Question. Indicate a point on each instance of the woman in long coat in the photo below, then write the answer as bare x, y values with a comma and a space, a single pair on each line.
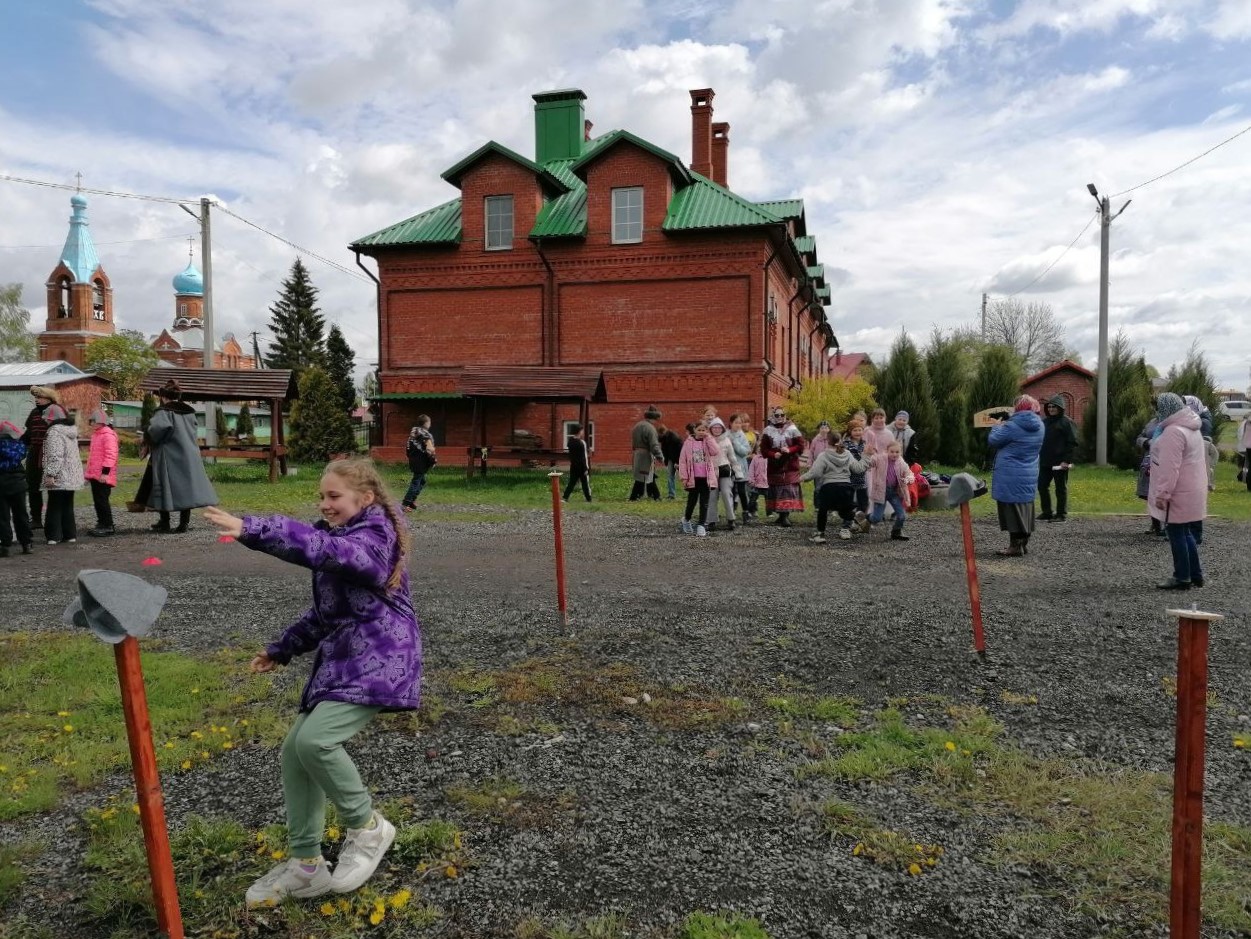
1179, 488
175, 480
1014, 485
645, 448
781, 443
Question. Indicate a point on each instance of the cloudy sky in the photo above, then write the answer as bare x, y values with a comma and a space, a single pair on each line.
942, 147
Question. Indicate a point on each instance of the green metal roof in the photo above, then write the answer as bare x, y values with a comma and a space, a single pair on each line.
549, 182
823, 294
564, 216
603, 144
704, 204
784, 208
440, 225
817, 272
806, 244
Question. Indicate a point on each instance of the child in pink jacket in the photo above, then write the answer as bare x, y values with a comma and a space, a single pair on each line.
102, 470
697, 468
896, 478
757, 478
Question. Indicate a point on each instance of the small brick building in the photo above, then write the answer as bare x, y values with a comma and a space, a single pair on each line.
604, 253
1068, 379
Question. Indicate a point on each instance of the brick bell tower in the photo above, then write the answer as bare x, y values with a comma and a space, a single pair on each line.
80, 296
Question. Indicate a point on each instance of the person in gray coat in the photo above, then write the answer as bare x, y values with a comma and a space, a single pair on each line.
645, 444
175, 479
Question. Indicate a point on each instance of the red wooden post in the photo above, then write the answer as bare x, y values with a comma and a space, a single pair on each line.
557, 526
1185, 896
970, 570
148, 788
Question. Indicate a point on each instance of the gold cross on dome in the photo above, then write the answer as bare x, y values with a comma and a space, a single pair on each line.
79, 177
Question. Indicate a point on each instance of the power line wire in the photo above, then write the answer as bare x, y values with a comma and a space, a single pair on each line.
1156, 179
286, 241
1057, 260
133, 241
95, 192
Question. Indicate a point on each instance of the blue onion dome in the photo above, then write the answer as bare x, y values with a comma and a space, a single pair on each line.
189, 282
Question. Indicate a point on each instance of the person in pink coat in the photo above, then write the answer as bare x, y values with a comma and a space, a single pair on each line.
1179, 488
697, 468
102, 470
877, 438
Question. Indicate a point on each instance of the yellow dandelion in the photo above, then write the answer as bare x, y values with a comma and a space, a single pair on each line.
243, 723
260, 836
967, 752
456, 840
400, 899
332, 833
196, 735
169, 745
931, 861
950, 745
68, 728
3, 768
195, 690
858, 849
135, 808
452, 871
345, 906
376, 917
204, 754
228, 745
914, 869
278, 855
186, 764
1239, 743
62, 713
327, 909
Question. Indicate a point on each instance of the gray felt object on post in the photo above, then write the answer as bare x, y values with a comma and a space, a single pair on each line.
115, 605
964, 488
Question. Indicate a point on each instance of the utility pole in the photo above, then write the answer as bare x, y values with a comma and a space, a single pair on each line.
1101, 389
985, 298
206, 359
256, 350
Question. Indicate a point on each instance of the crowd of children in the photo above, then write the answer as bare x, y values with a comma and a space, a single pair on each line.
857, 473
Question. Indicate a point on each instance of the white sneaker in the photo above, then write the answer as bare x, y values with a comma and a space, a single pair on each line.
687, 528
363, 848
701, 531
71, 541
818, 538
844, 534
51, 542
289, 880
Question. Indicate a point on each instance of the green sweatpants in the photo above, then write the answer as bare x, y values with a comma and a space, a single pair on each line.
315, 767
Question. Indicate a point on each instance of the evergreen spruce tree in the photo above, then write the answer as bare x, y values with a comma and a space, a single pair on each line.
998, 382
340, 364
297, 324
904, 385
150, 405
1194, 377
221, 424
320, 427
945, 363
244, 425
1129, 406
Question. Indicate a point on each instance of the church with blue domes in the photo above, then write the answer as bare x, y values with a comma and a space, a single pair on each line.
182, 344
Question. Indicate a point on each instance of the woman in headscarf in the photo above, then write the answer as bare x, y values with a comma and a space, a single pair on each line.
175, 479
1179, 488
781, 444
1014, 485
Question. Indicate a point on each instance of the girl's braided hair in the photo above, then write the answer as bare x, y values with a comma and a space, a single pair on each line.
362, 475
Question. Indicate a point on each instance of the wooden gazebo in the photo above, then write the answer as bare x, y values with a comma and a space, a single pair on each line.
274, 386
481, 384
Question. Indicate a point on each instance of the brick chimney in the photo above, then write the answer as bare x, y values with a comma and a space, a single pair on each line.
721, 154
701, 131
586, 130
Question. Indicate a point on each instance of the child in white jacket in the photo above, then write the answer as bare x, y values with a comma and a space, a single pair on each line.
62, 475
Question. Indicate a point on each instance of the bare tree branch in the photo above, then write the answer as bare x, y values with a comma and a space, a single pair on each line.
1031, 329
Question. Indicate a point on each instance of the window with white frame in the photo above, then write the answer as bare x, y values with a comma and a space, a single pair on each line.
627, 215
566, 431
499, 223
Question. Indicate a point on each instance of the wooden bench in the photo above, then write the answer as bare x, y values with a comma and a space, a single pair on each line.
483, 455
275, 456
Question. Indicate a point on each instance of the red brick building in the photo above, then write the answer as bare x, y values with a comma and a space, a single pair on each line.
80, 296
604, 253
1068, 379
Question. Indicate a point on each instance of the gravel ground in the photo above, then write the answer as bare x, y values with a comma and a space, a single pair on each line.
656, 823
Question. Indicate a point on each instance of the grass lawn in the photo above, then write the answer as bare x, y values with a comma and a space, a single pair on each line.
242, 488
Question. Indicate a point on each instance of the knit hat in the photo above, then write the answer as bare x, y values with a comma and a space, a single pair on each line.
9, 429
43, 391
1168, 404
651, 413
101, 416
903, 414
170, 390
1026, 403
54, 413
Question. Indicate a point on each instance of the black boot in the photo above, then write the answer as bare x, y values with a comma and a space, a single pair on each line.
4, 550
783, 520
184, 519
162, 526
636, 492
26, 548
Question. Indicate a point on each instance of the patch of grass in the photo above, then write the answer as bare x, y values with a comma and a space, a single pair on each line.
215, 860
1012, 697
719, 926
508, 725
883, 846
692, 711
494, 796
841, 711
611, 926
11, 873
61, 723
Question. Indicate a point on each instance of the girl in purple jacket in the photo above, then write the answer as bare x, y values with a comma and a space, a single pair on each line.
368, 658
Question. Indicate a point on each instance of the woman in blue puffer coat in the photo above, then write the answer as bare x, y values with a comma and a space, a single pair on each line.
1014, 485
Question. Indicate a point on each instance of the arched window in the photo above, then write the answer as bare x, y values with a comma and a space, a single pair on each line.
97, 300
63, 310
182, 309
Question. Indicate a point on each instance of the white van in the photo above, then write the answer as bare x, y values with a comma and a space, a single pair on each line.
1236, 409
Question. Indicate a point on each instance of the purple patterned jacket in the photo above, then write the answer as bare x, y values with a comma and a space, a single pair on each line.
367, 637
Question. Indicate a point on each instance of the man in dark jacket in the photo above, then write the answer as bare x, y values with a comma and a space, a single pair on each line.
1058, 451
420, 451
36, 432
671, 448
579, 462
